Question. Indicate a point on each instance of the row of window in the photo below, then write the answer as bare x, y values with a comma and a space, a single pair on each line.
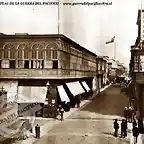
26, 64
75, 66
26, 54
72, 50
101, 67
139, 67
39, 64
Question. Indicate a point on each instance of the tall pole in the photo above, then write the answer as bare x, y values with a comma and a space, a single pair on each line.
58, 15
114, 50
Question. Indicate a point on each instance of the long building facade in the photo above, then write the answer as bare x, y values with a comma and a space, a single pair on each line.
37, 68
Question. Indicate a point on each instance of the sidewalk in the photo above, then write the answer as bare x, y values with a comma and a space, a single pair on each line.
47, 124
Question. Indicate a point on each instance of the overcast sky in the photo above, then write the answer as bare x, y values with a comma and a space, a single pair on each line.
90, 26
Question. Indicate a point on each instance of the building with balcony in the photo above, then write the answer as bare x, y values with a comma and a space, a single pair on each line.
32, 67
136, 66
101, 70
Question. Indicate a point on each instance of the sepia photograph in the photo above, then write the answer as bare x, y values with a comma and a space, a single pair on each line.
71, 72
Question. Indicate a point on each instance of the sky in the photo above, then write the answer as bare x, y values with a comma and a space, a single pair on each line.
90, 26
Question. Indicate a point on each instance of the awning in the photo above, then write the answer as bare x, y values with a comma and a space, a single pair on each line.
63, 95
86, 86
31, 94
75, 88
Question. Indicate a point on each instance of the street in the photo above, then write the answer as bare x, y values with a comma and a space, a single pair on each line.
93, 123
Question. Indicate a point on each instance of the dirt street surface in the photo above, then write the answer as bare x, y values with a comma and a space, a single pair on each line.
92, 124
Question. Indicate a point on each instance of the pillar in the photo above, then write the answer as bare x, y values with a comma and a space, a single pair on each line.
141, 101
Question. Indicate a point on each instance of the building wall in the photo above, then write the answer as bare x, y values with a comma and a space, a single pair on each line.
40, 54
142, 26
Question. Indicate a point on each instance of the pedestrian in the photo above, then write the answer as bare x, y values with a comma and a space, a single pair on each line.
134, 123
123, 128
61, 112
78, 100
135, 134
116, 127
130, 114
140, 123
126, 113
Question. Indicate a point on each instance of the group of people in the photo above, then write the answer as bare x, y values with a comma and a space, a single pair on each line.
137, 128
129, 113
123, 128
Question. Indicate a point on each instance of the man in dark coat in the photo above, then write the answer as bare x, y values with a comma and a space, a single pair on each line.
134, 123
78, 100
116, 127
140, 123
125, 130
135, 134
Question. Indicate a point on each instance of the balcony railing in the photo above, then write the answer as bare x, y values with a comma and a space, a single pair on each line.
43, 73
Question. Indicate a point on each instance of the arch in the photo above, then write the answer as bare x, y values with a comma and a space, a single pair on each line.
23, 51
51, 50
37, 51
9, 51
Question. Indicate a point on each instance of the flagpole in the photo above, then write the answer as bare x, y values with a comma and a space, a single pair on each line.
114, 50
141, 19
58, 14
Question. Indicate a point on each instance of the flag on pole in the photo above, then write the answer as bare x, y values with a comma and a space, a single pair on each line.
111, 41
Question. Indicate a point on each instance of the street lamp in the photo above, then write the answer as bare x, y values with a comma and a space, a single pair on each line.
113, 41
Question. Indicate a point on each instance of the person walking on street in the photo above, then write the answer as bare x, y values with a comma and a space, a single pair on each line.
140, 123
116, 127
130, 114
134, 123
135, 134
123, 128
126, 113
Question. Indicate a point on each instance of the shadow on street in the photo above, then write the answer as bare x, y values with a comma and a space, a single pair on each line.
110, 102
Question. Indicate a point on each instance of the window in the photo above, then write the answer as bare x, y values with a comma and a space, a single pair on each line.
48, 53
26, 64
42, 64
55, 64
136, 58
26, 52
20, 64
12, 53
37, 51
34, 53
136, 67
12, 64
20, 51
54, 54
6, 52
141, 65
40, 54
32, 64
99, 66
38, 64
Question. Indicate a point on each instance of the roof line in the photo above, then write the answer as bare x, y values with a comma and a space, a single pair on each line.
26, 35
